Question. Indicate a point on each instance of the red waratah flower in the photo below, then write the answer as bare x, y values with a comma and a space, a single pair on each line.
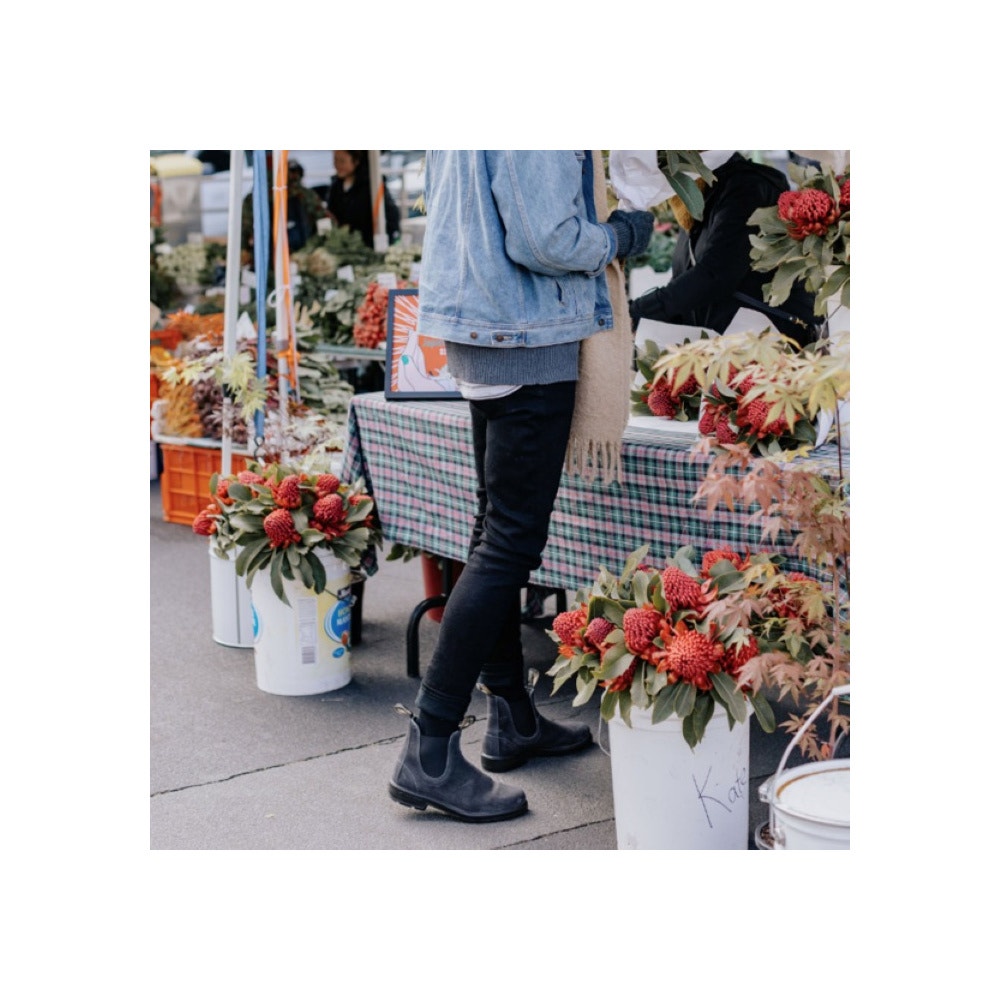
680, 590
690, 385
279, 526
736, 655
807, 212
692, 656
329, 510
707, 421
660, 401
222, 492
753, 415
248, 478
641, 626
845, 193
569, 626
204, 523
287, 493
358, 498
326, 484
622, 682
709, 559
724, 432
597, 631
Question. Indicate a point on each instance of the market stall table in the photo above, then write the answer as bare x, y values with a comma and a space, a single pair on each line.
417, 459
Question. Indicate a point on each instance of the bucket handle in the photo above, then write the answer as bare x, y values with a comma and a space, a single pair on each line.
837, 692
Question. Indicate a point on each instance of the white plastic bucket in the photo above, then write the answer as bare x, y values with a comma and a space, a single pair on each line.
668, 796
811, 807
232, 616
303, 647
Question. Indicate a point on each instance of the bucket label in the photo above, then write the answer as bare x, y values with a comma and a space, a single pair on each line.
256, 622
337, 621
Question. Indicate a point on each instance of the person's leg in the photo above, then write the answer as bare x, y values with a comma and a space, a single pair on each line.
521, 444
520, 447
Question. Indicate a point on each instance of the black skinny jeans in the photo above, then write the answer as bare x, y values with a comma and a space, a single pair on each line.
520, 447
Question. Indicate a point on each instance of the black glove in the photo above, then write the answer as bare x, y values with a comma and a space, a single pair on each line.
647, 306
633, 230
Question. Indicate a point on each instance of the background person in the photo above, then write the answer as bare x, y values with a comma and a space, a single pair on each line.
349, 197
711, 274
305, 209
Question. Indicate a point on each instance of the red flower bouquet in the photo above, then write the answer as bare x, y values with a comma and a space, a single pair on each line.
278, 517
660, 394
806, 238
658, 638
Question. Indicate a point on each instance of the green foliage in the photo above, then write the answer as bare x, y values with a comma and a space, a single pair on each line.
678, 165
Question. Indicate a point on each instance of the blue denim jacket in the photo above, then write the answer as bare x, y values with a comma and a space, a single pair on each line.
513, 255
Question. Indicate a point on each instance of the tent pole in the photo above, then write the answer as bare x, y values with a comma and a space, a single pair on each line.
232, 300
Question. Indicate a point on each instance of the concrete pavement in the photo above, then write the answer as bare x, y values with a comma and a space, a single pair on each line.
234, 768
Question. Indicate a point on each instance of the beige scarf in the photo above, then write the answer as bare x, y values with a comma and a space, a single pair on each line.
602, 392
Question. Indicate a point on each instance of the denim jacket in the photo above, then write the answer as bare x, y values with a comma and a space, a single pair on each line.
513, 255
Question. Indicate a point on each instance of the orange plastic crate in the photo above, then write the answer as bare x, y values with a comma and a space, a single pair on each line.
184, 482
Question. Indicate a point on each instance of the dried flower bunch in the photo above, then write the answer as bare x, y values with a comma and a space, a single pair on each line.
652, 638
806, 237
278, 517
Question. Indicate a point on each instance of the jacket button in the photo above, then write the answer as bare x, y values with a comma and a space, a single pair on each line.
600, 322
473, 335
499, 338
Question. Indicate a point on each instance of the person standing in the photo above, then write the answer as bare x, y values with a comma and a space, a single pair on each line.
349, 197
305, 209
513, 279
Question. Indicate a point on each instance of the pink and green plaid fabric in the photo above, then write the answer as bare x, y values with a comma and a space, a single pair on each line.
416, 456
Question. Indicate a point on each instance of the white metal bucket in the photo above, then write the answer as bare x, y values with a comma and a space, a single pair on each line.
810, 805
305, 647
232, 616
668, 796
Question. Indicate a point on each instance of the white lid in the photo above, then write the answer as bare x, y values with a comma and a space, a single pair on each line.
824, 794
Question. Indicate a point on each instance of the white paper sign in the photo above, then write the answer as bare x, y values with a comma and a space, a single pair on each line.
387, 279
324, 226
345, 273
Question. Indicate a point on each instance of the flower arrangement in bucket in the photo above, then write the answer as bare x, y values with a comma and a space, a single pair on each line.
654, 638
279, 520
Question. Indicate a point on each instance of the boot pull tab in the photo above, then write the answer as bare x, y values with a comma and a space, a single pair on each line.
402, 710
533, 676
466, 722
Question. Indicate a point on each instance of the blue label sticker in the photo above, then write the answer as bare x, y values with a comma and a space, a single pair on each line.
256, 622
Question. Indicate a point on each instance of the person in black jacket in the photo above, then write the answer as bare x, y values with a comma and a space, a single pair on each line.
350, 199
711, 275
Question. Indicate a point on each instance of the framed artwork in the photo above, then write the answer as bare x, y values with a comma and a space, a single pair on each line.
416, 365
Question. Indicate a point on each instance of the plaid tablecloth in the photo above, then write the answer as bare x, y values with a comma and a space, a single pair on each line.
417, 458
